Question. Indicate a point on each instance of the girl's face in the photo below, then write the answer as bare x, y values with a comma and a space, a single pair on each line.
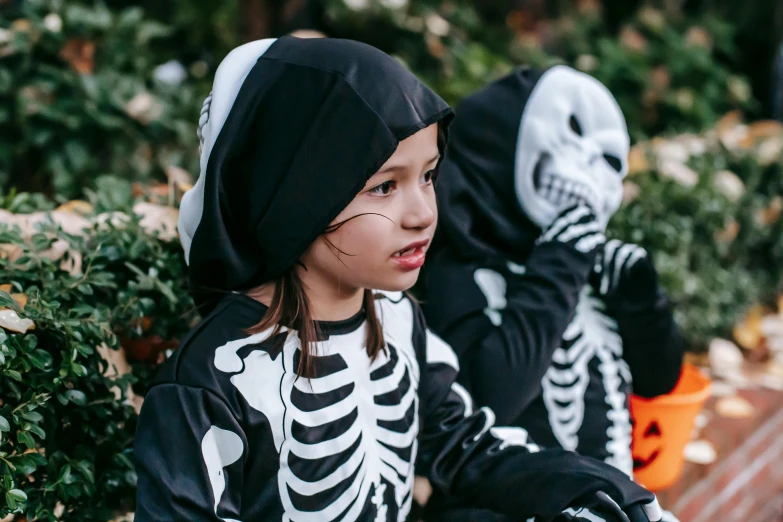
388, 226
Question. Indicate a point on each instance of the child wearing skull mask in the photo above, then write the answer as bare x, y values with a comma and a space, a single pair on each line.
552, 324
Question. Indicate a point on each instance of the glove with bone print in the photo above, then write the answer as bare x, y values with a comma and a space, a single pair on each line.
578, 227
625, 278
624, 275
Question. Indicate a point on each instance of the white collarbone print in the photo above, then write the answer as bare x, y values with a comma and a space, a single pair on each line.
347, 437
591, 337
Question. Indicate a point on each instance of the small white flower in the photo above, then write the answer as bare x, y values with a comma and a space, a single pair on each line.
437, 25
671, 151
5, 36
678, 172
586, 63
728, 184
53, 23
144, 107
770, 151
394, 4
170, 73
356, 5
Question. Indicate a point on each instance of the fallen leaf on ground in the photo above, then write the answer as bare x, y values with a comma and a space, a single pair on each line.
725, 357
722, 389
734, 407
76, 206
700, 452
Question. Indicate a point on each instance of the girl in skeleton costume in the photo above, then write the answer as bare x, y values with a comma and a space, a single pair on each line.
551, 324
312, 386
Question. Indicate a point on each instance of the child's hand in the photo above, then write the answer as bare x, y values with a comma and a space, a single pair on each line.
623, 273
576, 226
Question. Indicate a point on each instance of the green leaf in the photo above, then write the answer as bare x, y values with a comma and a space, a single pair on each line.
4, 426
6, 301
40, 359
13, 374
24, 464
85, 470
65, 474
18, 495
27, 439
32, 416
38, 431
77, 397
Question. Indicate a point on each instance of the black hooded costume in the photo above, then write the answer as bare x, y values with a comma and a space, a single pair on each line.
550, 336
290, 134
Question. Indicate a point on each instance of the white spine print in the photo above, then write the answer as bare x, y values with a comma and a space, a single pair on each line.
591, 334
614, 370
220, 448
372, 459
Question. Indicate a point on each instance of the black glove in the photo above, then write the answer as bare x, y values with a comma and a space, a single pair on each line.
576, 226
603, 508
624, 275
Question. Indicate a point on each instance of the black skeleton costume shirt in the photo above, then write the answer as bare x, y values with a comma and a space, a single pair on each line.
228, 431
552, 327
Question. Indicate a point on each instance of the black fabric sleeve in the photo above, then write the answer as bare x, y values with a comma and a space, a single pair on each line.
465, 456
189, 453
503, 364
652, 344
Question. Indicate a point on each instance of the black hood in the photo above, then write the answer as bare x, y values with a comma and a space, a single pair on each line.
291, 133
480, 215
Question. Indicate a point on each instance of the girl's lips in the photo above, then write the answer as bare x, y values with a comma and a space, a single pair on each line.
411, 261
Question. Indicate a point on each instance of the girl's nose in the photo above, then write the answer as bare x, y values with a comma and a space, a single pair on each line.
421, 210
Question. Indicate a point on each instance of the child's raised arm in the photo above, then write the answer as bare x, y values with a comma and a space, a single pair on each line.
190, 452
532, 312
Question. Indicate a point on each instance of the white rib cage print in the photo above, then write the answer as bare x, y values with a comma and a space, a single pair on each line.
346, 438
591, 334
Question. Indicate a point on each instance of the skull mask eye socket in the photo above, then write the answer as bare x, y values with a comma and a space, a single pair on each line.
614, 162
575, 126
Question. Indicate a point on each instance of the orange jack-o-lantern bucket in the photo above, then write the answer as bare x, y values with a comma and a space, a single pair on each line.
663, 426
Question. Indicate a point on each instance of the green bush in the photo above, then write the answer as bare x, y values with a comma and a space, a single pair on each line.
667, 74
65, 438
78, 98
709, 211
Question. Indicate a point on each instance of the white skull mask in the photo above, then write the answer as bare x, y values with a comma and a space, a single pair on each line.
572, 147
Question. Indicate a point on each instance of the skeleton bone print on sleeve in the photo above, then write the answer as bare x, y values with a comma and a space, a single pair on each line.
346, 438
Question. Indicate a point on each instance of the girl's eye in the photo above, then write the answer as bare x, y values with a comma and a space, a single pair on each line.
429, 177
384, 189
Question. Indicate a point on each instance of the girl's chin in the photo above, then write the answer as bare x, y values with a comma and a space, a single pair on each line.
398, 282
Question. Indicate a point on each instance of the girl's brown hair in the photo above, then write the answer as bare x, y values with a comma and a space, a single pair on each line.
290, 307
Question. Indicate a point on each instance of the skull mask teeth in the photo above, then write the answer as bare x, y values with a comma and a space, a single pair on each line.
571, 149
